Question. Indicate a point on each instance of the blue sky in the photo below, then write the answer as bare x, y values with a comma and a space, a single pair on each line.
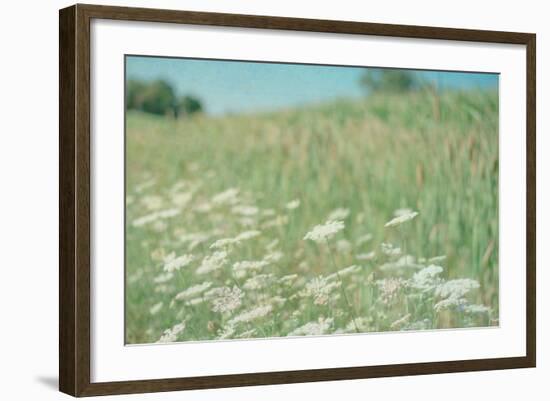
240, 86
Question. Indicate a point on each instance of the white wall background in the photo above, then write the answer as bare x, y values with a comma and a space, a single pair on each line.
28, 198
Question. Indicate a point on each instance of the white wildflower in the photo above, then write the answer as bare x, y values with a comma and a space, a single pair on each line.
366, 256
389, 289
344, 272
226, 332
277, 300
178, 185
155, 308
349, 270
196, 301
338, 214
390, 249
273, 257
171, 335
203, 207
145, 184
303, 266
363, 239
181, 199
271, 246
163, 278
404, 262
427, 278
152, 202
167, 213
323, 232
258, 282
361, 323
278, 221
246, 235
321, 326
194, 239
343, 246
268, 212
252, 314
320, 289
425, 324
163, 288
141, 221
476, 309
401, 219
402, 212
178, 263
227, 299
193, 291
223, 243
242, 268
229, 196
294, 204
158, 254
401, 321
247, 221
247, 334
288, 279
212, 262
451, 302
159, 226
134, 278
456, 288
437, 259
245, 210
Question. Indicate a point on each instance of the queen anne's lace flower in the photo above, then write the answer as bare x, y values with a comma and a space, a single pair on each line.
193, 291
156, 308
323, 232
252, 314
427, 278
171, 335
258, 282
366, 256
229, 196
245, 210
213, 262
456, 288
178, 263
402, 218
242, 268
226, 299
321, 326
320, 289
293, 204
339, 214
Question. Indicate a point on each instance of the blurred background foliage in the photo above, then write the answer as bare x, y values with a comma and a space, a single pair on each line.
158, 97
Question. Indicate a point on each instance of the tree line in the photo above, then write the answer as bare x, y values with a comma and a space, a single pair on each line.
158, 97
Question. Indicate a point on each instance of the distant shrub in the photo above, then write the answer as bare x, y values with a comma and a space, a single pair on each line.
388, 80
188, 105
158, 97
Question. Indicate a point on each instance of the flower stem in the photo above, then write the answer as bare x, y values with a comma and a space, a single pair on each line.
348, 304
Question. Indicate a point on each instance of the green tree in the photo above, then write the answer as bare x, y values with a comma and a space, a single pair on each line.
158, 98
389, 80
188, 105
134, 91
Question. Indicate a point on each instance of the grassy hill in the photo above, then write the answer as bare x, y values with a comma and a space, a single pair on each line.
434, 154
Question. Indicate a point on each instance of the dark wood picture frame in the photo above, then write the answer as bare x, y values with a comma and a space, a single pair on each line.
74, 199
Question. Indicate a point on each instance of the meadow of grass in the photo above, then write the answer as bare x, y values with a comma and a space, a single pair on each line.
218, 211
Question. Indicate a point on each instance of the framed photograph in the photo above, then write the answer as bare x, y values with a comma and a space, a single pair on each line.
250, 200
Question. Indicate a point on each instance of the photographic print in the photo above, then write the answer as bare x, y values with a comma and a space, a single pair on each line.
272, 199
